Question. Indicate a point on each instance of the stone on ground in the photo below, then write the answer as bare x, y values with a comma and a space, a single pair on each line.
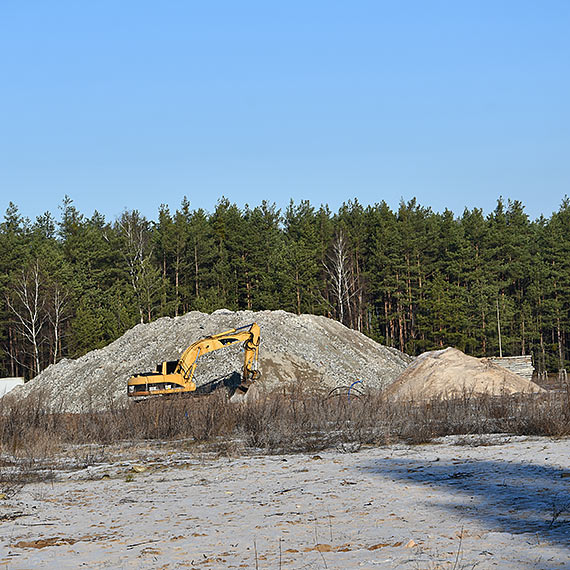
310, 351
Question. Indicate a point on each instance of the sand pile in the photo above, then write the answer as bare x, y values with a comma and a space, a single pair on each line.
450, 372
307, 349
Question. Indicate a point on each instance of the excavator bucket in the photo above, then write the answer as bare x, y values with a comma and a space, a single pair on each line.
243, 390
244, 393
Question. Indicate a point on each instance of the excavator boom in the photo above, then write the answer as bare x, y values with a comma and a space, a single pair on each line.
173, 377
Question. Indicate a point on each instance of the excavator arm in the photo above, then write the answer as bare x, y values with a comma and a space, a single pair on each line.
250, 361
175, 377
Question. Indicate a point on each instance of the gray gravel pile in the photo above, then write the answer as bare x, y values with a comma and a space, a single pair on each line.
312, 350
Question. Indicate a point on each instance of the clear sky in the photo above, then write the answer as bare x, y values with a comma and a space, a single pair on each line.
130, 104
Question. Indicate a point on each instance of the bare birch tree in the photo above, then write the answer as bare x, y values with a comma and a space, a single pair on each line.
57, 315
339, 270
27, 302
137, 253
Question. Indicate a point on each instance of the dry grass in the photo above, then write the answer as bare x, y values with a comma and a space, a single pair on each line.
30, 436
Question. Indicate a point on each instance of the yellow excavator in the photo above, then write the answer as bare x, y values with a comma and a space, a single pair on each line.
175, 377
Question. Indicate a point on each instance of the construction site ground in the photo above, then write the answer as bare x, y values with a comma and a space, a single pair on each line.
461, 502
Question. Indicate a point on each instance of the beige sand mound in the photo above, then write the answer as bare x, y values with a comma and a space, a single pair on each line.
450, 372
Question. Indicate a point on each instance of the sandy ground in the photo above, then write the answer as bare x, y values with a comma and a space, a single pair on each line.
446, 505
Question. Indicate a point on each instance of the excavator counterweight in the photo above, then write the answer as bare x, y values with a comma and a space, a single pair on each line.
176, 376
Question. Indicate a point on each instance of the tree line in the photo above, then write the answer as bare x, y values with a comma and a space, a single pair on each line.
410, 278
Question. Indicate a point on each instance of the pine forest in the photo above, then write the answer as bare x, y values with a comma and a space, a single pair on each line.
410, 278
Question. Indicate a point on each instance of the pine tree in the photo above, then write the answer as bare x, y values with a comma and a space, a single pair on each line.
302, 269
262, 256
382, 259
201, 285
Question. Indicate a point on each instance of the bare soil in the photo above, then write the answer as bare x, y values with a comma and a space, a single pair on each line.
451, 373
464, 502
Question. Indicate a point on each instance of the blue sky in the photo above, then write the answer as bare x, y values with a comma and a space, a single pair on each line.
130, 104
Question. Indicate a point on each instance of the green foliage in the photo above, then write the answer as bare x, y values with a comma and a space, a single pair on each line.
410, 278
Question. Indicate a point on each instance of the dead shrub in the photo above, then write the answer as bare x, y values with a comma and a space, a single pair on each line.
11, 482
298, 421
